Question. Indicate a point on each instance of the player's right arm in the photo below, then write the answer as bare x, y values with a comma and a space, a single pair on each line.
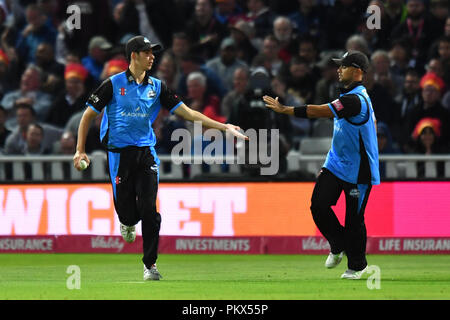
343, 107
95, 104
83, 130
313, 111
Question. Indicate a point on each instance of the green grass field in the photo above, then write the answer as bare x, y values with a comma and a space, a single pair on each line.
217, 277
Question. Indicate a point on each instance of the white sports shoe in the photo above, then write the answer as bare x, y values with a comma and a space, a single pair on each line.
333, 260
128, 233
352, 274
152, 273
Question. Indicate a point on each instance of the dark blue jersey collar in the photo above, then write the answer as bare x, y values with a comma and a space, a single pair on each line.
147, 79
351, 87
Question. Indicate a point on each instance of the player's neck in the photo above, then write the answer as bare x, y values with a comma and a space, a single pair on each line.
137, 73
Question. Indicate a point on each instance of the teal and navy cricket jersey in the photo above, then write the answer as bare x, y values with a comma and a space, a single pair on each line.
131, 109
353, 156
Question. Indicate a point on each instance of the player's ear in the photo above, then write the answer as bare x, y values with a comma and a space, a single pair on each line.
133, 56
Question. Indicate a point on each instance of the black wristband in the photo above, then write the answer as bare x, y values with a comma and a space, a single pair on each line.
300, 112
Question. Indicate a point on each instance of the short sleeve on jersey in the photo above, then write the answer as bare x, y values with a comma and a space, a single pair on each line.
169, 100
101, 96
346, 106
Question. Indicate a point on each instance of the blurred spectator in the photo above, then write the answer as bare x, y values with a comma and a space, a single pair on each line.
226, 63
12, 15
34, 141
227, 11
268, 58
72, 99
435, 66
283, 31
299, 79
432, 88
45, 59
327, 88
410, 98
36, 32
447, 27
94, 62
154, 19
4, 132
50, 9
383, 75
399, 56
66, 145
418, 29
191, 63
260, 16
244, 37
8, 74
307, 50
439, 12
167, 71
377, 38
206, 31
427, 140
251, 113
95, 19
30, 87
240, 85
16, 141
113, 67
382, 101
385, 144
307, 19
444, 56
300, 126
181, 46
357, 42
341, 22
396, 11
200, 100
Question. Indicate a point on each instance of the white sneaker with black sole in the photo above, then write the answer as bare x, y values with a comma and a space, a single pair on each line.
333, 260
128, 233
152, 273
353, 274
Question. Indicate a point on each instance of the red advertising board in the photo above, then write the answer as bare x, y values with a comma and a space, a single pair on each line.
216, 245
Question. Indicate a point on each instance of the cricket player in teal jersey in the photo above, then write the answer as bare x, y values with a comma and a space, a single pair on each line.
131, 101
351, 164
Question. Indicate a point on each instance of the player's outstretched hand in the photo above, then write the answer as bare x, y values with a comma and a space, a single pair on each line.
274, 104
235, 131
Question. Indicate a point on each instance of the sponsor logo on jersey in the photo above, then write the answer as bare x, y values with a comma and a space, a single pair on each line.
337, 105
354, 193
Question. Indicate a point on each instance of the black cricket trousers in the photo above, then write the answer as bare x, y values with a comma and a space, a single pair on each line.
134, 177
353, 237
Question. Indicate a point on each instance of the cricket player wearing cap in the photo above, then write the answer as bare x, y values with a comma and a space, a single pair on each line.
351, 164
131, 101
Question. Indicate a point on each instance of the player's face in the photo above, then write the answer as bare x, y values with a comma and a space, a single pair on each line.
346, 74
145, 59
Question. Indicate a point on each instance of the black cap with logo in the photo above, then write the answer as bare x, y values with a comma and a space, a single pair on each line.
355, 59
138, 44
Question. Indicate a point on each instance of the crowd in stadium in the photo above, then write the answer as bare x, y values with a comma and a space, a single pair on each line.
221, 56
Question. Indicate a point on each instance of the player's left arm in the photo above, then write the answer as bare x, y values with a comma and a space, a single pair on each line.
192, 115
172, 102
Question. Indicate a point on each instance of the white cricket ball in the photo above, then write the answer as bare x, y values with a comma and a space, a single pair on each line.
83, 164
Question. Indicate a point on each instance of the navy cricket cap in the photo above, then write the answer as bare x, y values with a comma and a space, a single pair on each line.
355, 59
138, 44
